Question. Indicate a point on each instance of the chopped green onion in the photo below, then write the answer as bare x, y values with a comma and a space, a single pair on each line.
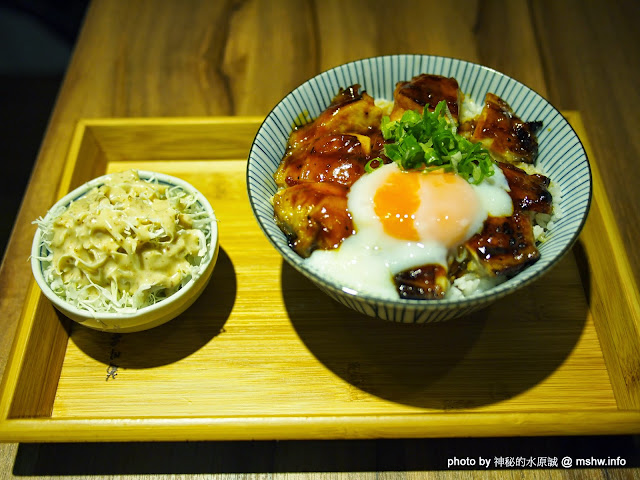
373, 164
430, 141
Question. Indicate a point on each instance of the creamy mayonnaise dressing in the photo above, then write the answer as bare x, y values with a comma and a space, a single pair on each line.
129, 241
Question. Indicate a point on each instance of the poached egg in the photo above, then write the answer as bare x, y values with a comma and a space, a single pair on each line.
406, 219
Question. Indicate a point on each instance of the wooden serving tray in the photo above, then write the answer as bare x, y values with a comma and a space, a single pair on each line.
263, 354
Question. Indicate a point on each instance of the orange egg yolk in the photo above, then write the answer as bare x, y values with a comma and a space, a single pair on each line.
436, 206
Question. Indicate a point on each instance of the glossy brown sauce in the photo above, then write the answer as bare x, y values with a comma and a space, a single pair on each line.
427, 91
428, 282
504, 133
506, 245
325, 157
528, 192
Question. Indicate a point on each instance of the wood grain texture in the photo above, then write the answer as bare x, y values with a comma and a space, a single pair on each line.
266, 350
612, 291
218, 58
587, 49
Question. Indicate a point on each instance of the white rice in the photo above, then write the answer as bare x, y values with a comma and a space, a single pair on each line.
385, 105
468, 109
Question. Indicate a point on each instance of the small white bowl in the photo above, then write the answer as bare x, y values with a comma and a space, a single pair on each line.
561, 156
146, 317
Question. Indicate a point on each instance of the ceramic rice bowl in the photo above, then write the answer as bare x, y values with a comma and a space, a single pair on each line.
561, 156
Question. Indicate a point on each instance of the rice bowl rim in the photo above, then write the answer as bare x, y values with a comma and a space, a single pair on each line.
82, 190
525, 277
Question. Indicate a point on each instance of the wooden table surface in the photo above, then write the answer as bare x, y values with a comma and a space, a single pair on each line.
208, 58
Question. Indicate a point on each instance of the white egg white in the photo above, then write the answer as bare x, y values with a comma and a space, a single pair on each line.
367, 261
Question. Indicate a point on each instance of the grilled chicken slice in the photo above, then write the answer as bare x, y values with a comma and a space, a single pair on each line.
505, 246
503, 133
428, 282
323, 158
313, 216
349, 112
338, 158
426, 90
528, 192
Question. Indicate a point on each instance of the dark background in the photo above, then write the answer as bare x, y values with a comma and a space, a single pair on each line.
36, 43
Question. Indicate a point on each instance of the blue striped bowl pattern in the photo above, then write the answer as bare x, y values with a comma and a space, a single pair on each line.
561, 156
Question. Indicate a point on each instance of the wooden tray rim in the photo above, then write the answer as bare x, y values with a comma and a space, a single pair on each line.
415, 425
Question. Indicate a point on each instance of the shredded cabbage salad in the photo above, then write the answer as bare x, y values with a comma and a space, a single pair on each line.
124, 245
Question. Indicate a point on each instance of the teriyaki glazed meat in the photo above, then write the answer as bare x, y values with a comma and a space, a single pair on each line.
425, 196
